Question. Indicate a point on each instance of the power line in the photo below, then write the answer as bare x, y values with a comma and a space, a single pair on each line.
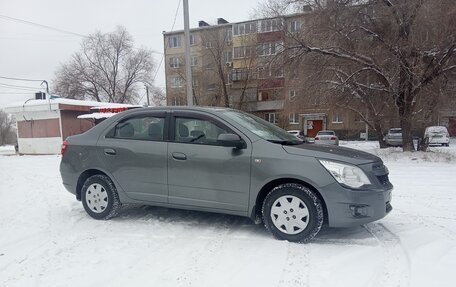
15, 93
41, 25
20, 79
163, 55
23, 88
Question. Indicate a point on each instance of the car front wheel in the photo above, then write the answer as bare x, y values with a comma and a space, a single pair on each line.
292, 212
99, 197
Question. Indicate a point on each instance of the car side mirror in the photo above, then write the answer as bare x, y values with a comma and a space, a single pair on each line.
231, 140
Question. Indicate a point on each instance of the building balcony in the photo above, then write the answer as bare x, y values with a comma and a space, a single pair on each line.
264, 106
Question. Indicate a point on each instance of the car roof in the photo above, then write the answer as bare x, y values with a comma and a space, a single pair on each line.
193, 108
437, 128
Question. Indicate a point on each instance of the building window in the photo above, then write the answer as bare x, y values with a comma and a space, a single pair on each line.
192, 40
177, 101
209, 45
194, 61
228, 36
267, 49
194, 81
245, 28
293, 118
228, 56
243, 52
278, 72
295, 26
175, 62
268, 72
337, 118
263, 96
174, 42
270, 25
176, 82
210, 66
292, 95
272, 118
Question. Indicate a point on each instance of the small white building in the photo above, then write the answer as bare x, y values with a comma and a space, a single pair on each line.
43, 124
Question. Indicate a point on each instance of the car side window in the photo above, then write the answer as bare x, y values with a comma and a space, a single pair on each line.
139, 128
198, 131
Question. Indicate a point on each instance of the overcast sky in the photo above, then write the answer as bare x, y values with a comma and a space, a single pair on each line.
28, 51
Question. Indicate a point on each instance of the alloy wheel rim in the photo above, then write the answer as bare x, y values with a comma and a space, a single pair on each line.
290, 214
96, 198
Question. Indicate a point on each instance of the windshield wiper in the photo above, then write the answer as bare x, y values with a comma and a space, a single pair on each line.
285, 142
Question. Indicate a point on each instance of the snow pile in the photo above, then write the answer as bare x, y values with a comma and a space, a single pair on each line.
434, 153
7, 150
47, 239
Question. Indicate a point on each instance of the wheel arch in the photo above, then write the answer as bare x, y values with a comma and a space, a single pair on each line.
84, 176
276, 182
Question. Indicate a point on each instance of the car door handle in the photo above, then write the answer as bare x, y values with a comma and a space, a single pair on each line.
179, 156
109, 151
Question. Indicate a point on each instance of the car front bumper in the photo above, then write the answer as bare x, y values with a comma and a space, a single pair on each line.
347, 208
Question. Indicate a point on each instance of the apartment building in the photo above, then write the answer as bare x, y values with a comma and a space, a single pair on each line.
239, 65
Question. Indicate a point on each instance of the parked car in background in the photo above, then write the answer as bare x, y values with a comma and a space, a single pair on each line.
394, 137
326, 137
437, 135
225, 161
297, 133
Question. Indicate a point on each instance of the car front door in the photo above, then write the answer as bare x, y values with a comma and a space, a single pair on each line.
201, 171
134, 151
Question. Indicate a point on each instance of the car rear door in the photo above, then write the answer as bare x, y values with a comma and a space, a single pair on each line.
134, 151
202, 172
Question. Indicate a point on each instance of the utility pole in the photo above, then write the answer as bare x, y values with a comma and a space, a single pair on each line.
188, 68
147, 93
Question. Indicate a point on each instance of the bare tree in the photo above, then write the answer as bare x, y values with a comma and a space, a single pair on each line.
218, 47
107, 68
381, 54
158, 96
7, 135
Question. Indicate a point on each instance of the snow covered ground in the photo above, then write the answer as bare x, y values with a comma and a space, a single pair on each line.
46, 238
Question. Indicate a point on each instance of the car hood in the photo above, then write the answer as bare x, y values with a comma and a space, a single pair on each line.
336, 153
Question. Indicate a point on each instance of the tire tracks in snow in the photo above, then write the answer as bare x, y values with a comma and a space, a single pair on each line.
423, 221
194, 273
396, 266
297, 268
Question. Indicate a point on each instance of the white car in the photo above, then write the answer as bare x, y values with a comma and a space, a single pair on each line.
437, 135
326, 137
297, 133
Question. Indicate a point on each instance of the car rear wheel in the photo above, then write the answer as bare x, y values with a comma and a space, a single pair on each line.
99, 197
292, 212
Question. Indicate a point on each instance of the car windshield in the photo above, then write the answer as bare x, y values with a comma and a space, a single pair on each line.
395, 131
262, 128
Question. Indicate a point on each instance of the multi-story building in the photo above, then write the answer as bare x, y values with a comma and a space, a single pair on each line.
240, 65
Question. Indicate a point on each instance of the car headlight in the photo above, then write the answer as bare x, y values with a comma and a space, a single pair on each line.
346, 174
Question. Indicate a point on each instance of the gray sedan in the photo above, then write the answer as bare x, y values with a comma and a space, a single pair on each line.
225, 161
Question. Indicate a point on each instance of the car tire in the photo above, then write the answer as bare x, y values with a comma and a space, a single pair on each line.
99, 197
292, 212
